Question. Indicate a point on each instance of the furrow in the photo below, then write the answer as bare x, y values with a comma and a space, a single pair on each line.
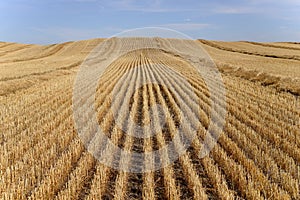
171, 190
256, 173
211, 44
122, 188
188, 169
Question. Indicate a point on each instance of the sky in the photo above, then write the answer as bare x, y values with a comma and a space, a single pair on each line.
55, 21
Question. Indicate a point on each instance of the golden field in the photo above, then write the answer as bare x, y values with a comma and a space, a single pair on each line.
257, 155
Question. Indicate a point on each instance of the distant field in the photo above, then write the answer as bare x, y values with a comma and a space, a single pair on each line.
275, 64
257, 155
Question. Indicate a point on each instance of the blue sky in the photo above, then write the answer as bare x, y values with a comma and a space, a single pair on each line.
53, 21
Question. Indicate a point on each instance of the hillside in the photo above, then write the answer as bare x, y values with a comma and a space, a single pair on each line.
44, 156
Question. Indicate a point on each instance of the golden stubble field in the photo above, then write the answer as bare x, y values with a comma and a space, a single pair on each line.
257, 155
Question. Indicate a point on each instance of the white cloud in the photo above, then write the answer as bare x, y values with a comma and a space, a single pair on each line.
135, 5
186, 26
63, 34
235, 10
144, 6
66, 33
278, 2
85, 1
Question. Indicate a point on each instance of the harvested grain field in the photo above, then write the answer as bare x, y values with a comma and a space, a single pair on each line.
257, 154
